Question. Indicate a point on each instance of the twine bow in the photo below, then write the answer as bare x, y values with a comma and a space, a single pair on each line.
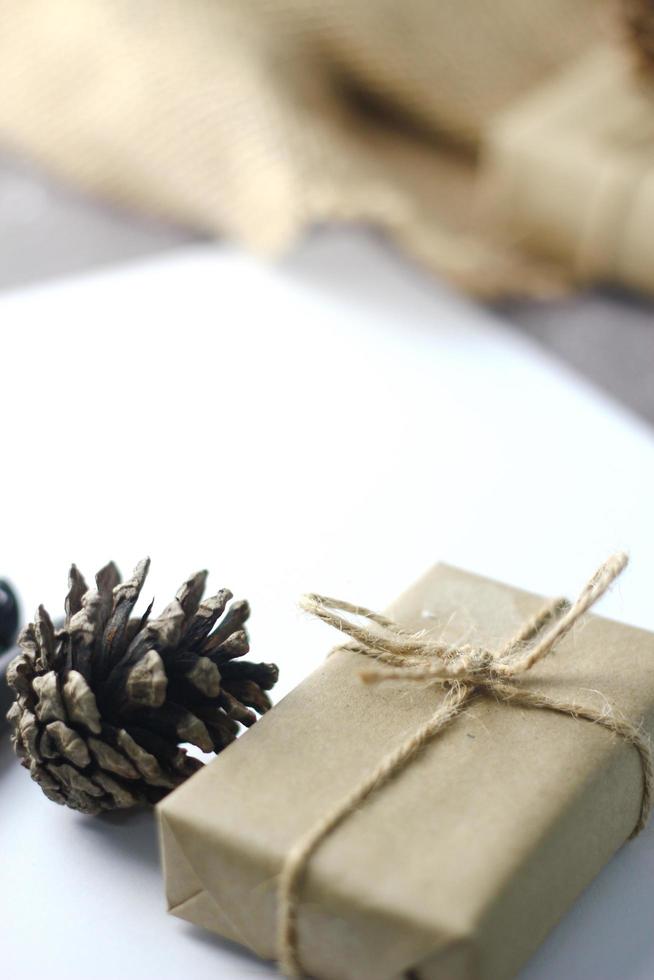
466, 672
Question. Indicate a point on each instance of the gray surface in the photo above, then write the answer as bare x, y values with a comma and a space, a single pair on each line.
47, 230
607, 336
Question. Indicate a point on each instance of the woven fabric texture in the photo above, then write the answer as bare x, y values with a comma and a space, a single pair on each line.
257, 119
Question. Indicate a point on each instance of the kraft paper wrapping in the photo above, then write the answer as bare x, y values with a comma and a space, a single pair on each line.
457, 868
572, 171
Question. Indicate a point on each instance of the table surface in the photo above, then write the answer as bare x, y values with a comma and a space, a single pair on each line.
336, 424
48, 229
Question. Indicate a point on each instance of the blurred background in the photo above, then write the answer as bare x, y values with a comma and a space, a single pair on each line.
503, 146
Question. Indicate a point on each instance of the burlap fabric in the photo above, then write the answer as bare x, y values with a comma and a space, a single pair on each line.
256, 119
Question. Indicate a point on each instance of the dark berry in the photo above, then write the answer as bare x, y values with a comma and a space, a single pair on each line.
8, 616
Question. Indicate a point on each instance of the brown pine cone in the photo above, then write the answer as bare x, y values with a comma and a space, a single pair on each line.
103, 704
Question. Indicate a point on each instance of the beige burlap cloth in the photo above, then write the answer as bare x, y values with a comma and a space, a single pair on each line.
257, 119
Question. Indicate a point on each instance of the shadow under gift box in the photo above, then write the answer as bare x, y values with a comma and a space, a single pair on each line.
462, 863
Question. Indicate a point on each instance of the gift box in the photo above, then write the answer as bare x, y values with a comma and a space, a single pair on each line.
570, 172
459, 865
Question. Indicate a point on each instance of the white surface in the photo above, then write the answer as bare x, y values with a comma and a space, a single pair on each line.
338, 425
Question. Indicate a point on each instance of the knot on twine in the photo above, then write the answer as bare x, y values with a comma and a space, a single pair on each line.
465, 671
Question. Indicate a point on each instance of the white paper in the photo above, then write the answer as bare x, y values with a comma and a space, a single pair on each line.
336, 424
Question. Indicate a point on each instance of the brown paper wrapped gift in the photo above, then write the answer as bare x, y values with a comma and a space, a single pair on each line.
460, 865
571, 170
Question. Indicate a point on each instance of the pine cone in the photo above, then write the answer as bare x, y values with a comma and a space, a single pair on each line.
103, 704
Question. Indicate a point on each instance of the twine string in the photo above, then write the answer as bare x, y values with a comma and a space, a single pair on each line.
465, 671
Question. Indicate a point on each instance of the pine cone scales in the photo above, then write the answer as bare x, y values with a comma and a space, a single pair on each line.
103, 704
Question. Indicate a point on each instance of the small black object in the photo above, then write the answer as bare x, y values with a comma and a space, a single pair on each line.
9, 616
9, 621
